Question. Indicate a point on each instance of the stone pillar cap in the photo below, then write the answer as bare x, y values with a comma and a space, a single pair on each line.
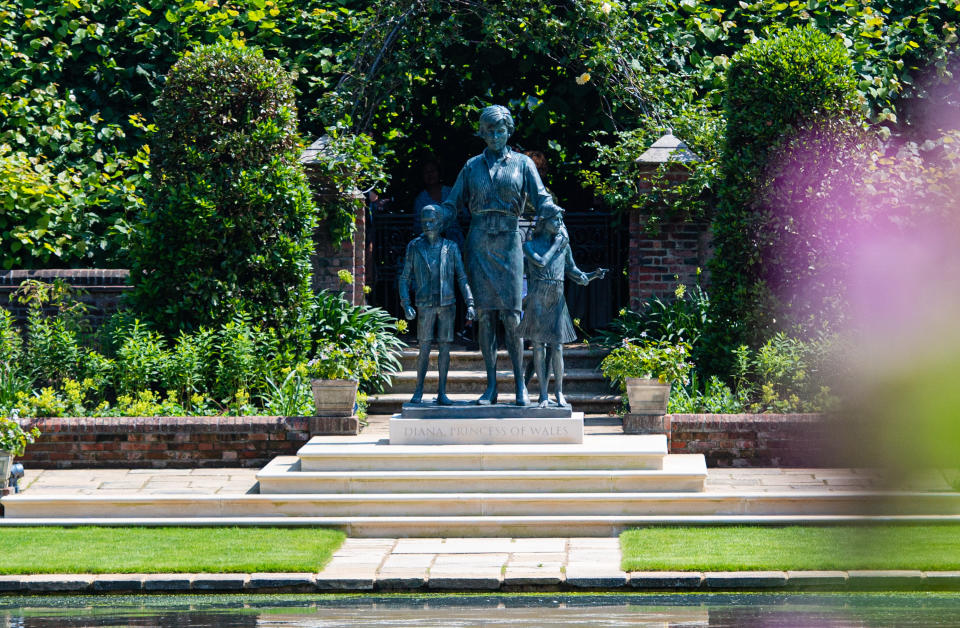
668, 149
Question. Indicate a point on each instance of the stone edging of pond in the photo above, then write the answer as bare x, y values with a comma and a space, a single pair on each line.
340, 582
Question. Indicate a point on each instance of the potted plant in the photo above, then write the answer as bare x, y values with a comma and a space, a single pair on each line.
13, 440
335, 374
646, 371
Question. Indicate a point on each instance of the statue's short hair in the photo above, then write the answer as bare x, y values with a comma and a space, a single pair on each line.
429, 209
493, 114
548, 212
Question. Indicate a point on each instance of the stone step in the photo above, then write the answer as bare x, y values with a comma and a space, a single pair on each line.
362, 453
391, 403
472, 514
574, 381
679, 473
575, 356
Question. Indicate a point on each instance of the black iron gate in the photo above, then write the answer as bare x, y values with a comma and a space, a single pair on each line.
598, 239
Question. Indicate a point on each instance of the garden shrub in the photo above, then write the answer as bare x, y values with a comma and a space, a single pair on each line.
784, 374
228, 226
776, 88
12, 378
713, 397
130, 369
337, 324
680, 319
787, 374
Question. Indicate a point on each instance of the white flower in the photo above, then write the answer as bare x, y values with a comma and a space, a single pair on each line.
606, 8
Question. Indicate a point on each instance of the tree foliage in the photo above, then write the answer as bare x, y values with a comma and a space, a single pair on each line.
228, 226
776, 88
589, 81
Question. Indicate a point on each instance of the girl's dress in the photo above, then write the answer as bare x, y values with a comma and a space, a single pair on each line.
545, 315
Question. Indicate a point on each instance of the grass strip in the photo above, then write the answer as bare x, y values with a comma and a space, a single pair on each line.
165, 550
721, 548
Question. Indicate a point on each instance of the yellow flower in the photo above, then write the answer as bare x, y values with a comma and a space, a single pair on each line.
583, 78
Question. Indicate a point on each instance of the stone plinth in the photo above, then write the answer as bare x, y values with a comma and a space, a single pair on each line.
470, 424
474, 411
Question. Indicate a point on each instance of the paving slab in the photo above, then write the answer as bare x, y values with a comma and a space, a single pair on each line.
359, 578
538, 557
419, 546
816, 578
744, 579
167, 582
220, 582
281, 581
595, 576
476, 578
11, 583
942, 579
661, 580
526, 575
466, 562
45, 583
887, 579
407, 561
402, 579
539, 546
118, 582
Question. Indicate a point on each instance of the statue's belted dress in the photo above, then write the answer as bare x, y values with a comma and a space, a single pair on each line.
495, 191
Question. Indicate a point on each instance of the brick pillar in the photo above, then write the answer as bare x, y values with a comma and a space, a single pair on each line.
329, 259
676, 248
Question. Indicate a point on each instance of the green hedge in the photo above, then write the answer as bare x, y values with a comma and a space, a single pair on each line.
228, 226
776, 88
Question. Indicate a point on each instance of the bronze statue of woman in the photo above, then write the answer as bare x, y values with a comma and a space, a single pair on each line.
495, 186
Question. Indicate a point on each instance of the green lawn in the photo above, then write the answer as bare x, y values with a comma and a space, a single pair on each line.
165, 550
926, 547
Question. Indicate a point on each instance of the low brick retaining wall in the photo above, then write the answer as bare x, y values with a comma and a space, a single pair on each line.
745, 440
173, 442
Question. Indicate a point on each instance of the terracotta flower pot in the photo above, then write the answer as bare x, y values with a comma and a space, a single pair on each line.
334, 396
647, 395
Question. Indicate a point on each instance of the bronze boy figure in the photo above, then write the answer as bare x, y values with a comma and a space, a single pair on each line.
546, 321
433, 264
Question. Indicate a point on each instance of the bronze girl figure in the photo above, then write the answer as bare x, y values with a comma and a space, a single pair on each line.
546, 322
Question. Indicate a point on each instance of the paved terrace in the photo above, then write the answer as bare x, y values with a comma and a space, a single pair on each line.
240, 480
465, 563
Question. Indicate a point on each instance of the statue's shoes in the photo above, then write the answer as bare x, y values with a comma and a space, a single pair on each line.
488, 399
443, 400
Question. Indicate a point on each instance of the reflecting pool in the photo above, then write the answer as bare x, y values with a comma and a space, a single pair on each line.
661, 610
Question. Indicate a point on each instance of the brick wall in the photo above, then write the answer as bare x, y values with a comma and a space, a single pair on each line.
173, 442
746, 440
101, 288
328, 260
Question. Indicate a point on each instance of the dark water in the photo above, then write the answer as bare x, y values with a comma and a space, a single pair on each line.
661, 610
